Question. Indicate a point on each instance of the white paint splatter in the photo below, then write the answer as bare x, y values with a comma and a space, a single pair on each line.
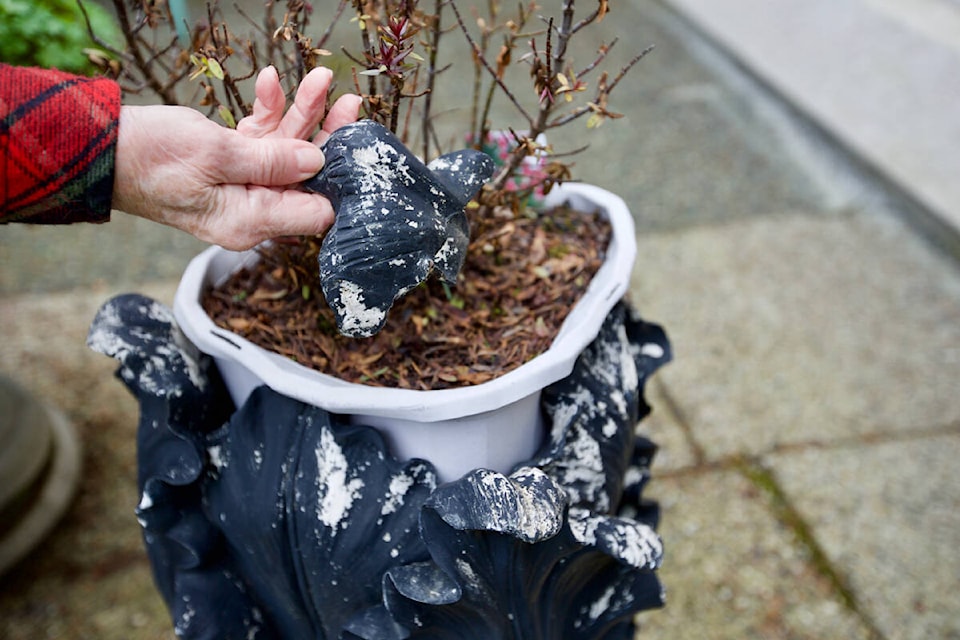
652, 350
609, 429
633, 476
602, 603
470, 577
217, 458
358, 319
335, 494
399, 485
183, 623
542, 518
634, 543
449, 248
378, 165
104, 339
583, 477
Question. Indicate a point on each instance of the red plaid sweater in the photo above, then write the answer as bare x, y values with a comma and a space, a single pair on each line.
58, 135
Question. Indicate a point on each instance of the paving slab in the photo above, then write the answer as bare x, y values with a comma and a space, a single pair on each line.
90, 578
675, 451
888, 517
880, 76
127, 251
731, 571
804, 329
687, 138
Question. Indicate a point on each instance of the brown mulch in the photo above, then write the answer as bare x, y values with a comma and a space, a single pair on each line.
521, 277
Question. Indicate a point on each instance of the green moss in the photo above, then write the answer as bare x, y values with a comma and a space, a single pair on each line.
765, 480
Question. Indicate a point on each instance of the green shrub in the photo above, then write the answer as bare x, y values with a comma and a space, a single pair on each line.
51, 33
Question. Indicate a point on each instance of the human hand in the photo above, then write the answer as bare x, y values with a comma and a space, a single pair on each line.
231, 188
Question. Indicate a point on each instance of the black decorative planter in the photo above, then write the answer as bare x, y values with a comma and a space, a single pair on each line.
282, 520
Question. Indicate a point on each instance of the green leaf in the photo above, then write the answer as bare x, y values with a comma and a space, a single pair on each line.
227, 116
214, 69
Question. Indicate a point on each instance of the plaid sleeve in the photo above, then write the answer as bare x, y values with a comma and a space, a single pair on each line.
58, 136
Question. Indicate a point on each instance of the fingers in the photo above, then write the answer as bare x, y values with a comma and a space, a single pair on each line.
271, 162
243, 169
297, 213
305, 114
344, 111
255, 214
303, 117
267, 108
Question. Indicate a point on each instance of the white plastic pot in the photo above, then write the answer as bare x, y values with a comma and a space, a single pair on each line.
492, 425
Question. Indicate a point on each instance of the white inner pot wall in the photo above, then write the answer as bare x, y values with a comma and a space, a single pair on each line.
492, 425
496, 440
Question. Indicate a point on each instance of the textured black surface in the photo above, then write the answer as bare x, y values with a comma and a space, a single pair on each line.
280, 520
397, 220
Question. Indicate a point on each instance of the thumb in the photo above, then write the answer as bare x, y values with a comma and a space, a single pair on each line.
270, 162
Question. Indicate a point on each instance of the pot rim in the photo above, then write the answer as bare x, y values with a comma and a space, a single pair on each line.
337, 396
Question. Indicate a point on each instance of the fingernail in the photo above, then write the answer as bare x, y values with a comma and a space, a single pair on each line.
309, 159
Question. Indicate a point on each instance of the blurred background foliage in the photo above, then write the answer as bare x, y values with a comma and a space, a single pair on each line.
52, 33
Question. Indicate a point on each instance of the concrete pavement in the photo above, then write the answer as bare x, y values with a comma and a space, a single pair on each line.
810, 424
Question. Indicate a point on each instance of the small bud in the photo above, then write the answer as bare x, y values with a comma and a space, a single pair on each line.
227, 116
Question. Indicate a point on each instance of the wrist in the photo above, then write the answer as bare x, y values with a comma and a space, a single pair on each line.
123, 182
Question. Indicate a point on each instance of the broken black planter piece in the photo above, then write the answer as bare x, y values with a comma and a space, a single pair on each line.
282, 520
397, 220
